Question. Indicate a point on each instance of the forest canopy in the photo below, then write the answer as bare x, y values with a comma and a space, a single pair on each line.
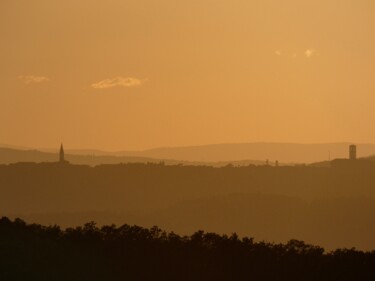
36, 252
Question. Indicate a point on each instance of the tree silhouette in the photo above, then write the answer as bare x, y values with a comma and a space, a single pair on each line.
35, 252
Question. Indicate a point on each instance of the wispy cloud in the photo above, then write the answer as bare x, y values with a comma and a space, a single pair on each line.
30, 79
309, 53
278, 52
127, 82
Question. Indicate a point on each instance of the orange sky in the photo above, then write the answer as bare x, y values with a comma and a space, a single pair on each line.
123, 75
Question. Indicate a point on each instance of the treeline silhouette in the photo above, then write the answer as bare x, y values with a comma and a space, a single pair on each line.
36, 252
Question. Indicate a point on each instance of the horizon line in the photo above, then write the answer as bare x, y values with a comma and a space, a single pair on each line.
21, 147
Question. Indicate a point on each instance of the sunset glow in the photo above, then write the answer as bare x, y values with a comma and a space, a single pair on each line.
125, 75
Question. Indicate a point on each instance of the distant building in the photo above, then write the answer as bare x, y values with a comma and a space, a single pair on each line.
350, 165
62, 155
352, 152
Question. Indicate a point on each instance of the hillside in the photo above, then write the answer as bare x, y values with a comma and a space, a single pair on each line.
88, 157
283, 152
241, 154
330, 207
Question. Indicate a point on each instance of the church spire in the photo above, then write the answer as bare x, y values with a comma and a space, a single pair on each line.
62, 156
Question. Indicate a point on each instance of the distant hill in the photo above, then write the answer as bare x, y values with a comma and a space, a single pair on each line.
8, 155
283, 152
88, 157
327, 164
212, 155
371, 158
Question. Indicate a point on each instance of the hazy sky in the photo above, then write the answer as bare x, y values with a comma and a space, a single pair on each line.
121, 74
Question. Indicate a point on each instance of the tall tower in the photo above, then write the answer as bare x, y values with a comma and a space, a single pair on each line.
353, 152
62, 158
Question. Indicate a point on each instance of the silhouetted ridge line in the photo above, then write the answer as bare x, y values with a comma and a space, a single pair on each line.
36, 252
11, 156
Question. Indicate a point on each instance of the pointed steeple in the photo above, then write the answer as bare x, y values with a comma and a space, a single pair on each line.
62, 156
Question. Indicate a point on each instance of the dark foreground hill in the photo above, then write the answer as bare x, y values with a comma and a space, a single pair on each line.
332, 207
35, 252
